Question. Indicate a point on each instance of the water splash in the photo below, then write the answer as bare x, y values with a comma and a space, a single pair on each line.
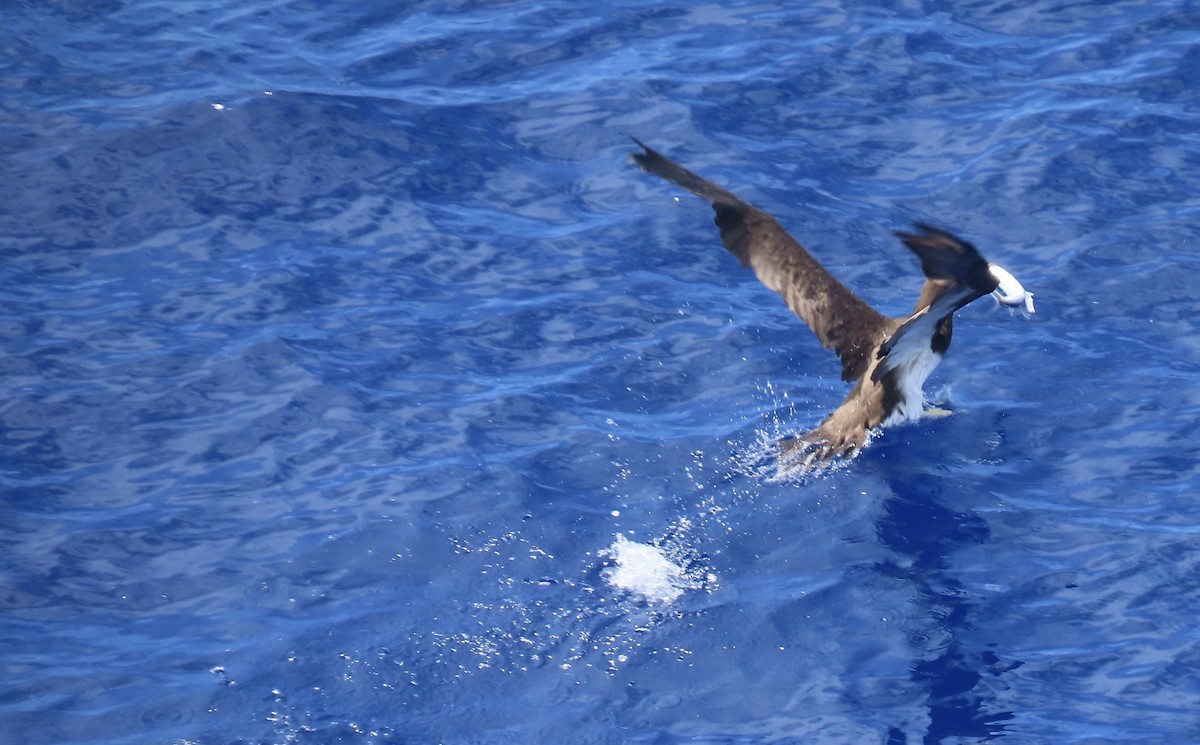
647, 571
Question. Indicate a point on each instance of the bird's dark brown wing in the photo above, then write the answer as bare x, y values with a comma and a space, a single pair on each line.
955, 275
949, 264
841, 320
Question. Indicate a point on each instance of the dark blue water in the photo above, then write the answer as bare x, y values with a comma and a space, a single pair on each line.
357, 389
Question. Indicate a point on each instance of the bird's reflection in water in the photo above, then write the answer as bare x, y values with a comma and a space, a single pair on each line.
953, 665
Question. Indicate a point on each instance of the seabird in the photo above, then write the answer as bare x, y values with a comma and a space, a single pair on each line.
887, 359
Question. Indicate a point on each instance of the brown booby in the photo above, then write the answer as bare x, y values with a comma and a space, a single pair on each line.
887, 359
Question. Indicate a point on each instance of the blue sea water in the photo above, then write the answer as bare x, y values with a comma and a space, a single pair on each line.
357, 388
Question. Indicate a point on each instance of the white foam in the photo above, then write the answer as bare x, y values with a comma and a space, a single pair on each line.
645, 571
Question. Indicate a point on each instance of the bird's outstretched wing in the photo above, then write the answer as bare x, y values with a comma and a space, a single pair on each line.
841, 320
955, 274
948, 260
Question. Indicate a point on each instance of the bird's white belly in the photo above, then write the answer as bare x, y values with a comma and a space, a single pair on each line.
911, 374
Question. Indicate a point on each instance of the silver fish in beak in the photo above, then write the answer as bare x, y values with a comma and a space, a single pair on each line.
1009, 291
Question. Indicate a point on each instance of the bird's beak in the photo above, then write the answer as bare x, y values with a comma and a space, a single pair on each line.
1009, 291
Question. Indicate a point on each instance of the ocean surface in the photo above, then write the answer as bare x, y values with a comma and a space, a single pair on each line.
358, 389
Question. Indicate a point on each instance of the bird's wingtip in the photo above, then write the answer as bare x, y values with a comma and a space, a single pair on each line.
923, 229
647, 153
